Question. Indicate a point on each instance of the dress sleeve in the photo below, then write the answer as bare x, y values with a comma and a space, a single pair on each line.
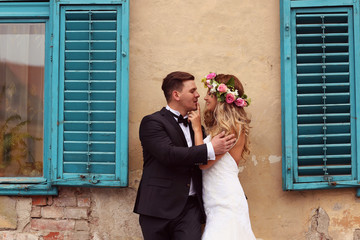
207, 139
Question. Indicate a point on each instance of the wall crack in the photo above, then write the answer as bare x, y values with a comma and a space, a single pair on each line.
319, 226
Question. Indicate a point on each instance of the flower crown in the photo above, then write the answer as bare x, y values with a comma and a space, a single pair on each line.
225, 92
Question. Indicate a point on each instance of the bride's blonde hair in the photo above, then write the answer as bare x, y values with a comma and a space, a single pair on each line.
228, 117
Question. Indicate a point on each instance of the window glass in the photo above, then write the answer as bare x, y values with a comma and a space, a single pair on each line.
22, 55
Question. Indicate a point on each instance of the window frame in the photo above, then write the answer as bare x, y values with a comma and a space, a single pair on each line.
122, 107
288, 91
32, 13
48, 12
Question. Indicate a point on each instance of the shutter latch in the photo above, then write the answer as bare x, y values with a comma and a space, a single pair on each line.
94, 180
287, 27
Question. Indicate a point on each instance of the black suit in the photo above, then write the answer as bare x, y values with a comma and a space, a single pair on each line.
169, 165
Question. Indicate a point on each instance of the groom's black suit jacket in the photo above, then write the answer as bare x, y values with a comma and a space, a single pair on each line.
169, 165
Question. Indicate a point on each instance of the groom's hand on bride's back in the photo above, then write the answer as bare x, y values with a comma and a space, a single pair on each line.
222, 143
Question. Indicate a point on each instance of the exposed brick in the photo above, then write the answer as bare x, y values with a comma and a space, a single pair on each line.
65, 202
81, 225
82, 192
52, 212
50, 200
78, 236
7, 236
65, 192
54, 236
35, 212
18, 236
52, 225
83, 201
76, 213
39, 201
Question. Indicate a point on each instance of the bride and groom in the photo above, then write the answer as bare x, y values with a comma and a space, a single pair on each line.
188, 180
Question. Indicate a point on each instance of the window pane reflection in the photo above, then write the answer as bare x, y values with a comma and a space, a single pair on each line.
22, 54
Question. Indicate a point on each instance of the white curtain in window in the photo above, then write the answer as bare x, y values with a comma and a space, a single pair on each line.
22, 53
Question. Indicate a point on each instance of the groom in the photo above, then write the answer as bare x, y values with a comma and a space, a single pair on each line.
169, 198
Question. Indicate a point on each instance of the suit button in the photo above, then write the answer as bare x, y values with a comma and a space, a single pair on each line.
188, 185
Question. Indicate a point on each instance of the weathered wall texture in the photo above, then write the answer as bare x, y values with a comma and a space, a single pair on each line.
227, 36
76, 214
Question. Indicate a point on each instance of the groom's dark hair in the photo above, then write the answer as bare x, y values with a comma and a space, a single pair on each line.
174, 81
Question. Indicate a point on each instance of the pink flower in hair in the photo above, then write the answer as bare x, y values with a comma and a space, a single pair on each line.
230, 98
240, 102
211, 76
222, 88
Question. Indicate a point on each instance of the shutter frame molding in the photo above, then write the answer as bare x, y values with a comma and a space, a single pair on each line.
306, 144
323, 48
32, 12
92, 137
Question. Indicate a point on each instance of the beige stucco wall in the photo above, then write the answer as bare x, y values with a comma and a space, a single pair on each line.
240, 37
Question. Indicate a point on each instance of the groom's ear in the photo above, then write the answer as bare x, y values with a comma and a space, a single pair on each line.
175, 95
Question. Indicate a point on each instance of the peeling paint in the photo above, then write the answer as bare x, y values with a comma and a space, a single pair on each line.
347, 221
253, 159
337, 207
241, 169
319, 225
274, 159
357, 234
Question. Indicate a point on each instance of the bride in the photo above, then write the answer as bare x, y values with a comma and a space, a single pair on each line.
224, 199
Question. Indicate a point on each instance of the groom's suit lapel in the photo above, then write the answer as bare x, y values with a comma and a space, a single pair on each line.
170, 118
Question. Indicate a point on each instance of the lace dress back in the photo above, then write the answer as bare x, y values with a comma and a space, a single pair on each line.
225, 203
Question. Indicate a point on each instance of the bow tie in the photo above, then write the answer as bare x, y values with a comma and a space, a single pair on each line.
181, 119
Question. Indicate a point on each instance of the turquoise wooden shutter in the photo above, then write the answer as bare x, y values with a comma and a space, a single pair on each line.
93, 118
318, 95
324, 48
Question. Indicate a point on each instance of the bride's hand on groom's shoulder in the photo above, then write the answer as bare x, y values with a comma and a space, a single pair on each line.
195, 119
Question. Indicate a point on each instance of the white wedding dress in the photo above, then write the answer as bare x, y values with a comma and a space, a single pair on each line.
226, 208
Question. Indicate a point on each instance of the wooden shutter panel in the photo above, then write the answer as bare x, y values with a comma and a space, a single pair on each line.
89, 142
323, 66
